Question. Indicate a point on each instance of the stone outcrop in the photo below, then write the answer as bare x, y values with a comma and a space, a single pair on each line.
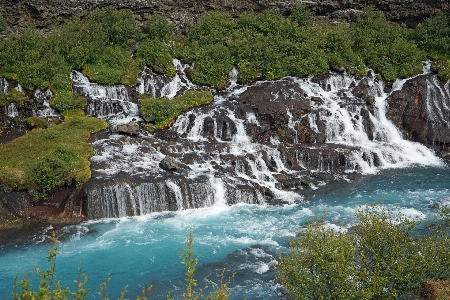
128, 128
420, 110
45, 13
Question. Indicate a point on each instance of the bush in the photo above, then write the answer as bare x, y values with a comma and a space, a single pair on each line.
114, 66
118, 26
381, 258
301, 15
50, 287
433, 36
163, 111
67, 100
385, 47
157, 28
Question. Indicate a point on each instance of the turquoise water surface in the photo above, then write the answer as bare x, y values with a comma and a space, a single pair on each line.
245, 239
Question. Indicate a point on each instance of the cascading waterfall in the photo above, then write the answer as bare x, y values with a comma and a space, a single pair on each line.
342, 113
223, 164
43, 99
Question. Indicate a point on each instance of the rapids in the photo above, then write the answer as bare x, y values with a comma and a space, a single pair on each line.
245, 239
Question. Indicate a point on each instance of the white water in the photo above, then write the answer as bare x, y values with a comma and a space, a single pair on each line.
255, 164
387, 149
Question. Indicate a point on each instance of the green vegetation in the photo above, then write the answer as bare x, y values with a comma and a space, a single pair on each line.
37, 122
50, 287
2, 22
44, 159
14, 96
163, 111
380, 258
109, 48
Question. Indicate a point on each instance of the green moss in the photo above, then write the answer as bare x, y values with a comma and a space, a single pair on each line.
44, 159
14, 96
164, 111
281, 132
37, 122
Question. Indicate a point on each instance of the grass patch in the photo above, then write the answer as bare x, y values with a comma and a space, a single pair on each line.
164, 111
44, 159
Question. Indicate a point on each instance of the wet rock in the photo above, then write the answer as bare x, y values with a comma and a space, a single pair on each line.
364, 91
169, 164
273, 104
128, 128
420, 111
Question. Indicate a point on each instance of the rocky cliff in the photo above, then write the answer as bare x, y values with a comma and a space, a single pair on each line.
183, 12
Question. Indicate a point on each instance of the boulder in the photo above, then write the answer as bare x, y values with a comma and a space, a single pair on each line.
128, 128
169, 164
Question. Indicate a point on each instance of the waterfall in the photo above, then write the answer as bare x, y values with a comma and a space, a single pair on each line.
11, 110
228, 152
42, 98
343, 114
112, 103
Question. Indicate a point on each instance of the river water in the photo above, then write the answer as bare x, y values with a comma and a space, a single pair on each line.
245, 239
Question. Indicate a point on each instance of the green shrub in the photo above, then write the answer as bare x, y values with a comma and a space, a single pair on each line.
444, 72
67, 100
381, 258
57, 155
14, 96
214, 63
212, 28
385, 47
157, 28
114, 66
301, 15
433, 36
163, 111
118, 26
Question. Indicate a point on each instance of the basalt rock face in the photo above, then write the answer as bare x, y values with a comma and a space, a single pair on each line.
184, 12
420, 110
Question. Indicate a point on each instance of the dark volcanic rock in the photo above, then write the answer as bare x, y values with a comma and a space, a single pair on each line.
183, 13
419, 110
274, 104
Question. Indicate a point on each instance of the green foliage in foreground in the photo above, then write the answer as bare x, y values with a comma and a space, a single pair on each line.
381, 258
50, 287
44, 159
163, 111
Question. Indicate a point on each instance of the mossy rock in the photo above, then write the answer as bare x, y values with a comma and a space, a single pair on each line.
42, 160
164, 111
